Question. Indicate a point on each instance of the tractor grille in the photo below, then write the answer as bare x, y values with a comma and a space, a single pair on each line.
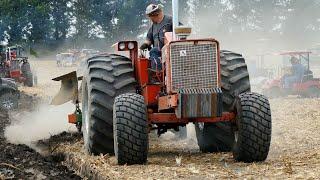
194, 66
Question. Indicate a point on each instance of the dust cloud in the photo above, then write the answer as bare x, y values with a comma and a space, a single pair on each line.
27, 128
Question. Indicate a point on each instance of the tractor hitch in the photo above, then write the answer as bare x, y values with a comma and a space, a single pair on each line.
76, 117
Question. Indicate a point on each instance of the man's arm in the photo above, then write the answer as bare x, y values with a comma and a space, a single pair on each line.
149, 41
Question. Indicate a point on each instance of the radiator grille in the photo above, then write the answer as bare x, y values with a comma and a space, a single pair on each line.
193, 66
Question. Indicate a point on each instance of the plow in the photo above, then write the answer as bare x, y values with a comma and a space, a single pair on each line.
120, 99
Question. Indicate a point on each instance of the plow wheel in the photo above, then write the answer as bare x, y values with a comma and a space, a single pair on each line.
105, 77
253, 128
130, 129
219, 137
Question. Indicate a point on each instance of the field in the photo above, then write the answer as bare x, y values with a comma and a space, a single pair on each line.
294, 153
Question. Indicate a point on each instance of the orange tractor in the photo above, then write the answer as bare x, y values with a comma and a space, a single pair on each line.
15, 66
308, 86
122, 100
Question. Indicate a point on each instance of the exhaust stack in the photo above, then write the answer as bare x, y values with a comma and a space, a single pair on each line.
175, 15
179, 32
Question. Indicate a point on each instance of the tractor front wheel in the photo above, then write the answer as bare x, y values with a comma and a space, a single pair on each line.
130, 127
253, 128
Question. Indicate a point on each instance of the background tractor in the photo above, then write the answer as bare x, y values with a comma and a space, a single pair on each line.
122, 99
307, 87
66, 59
16, 66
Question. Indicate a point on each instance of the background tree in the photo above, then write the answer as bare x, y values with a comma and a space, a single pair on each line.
267, 24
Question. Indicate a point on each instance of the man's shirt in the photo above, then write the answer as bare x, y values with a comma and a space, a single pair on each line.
157, 30
298, 71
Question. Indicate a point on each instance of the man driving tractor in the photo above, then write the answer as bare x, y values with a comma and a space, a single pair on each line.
155, 37
298, 71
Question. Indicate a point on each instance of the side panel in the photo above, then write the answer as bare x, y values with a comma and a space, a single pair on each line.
142, 71
167, 102
150, 93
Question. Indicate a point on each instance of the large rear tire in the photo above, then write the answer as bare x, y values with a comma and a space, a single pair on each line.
253, 128
130, 129
219, 137
27, 73
105, 77
214, 137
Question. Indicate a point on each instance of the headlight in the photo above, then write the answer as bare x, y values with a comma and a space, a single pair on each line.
122, 46
131, 45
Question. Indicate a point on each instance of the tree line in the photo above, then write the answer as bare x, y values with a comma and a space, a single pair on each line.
51, 23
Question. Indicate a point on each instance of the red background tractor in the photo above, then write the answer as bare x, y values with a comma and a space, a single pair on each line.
308, 87
15, 66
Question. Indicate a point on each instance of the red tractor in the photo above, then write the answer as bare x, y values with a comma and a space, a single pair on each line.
15, 66
307, 87
122, 100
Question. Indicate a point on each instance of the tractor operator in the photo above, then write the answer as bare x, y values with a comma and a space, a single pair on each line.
298, 71
155, 37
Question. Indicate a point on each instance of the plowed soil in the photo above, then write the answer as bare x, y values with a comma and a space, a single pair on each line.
19, 161
294, 152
